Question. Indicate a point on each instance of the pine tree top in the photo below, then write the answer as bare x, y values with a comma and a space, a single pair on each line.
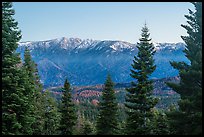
109, 82
66, 85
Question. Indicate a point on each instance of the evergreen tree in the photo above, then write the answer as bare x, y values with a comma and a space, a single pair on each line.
32, 70
39, 113
16, 118
79, 124
159, 124
87, 128
139, 100
68, 113
107, 118
52, 116
35, 90
188, 119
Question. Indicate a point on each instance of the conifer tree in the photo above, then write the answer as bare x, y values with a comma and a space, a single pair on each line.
159, 124
87, 128
188, 119
16, 118
32, 70
107, 118
139, 100
68, 112
35, 90
39, 113
52, 116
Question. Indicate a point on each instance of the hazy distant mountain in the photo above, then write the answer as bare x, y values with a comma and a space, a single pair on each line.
87, 62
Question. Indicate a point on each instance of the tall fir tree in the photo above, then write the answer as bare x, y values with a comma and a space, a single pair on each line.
188, 119
16, 118
139, 100
68, 112
107, 118
31, 68
35, 90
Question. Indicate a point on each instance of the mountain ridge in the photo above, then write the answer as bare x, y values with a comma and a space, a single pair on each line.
87, 62
68, 41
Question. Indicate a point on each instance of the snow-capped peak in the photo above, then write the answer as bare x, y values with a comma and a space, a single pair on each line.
156, 45
23, 43
173, 46
120, 45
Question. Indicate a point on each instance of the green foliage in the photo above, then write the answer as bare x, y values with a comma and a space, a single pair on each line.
68, 112
159, 124
89, 110
10, 35
28, 111
39, 113
190, 86
32, 70
35, 90
16, 107
139, 99
87, 128
52, 116
107, 118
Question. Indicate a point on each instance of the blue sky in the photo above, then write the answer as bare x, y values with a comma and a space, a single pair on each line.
101, 20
